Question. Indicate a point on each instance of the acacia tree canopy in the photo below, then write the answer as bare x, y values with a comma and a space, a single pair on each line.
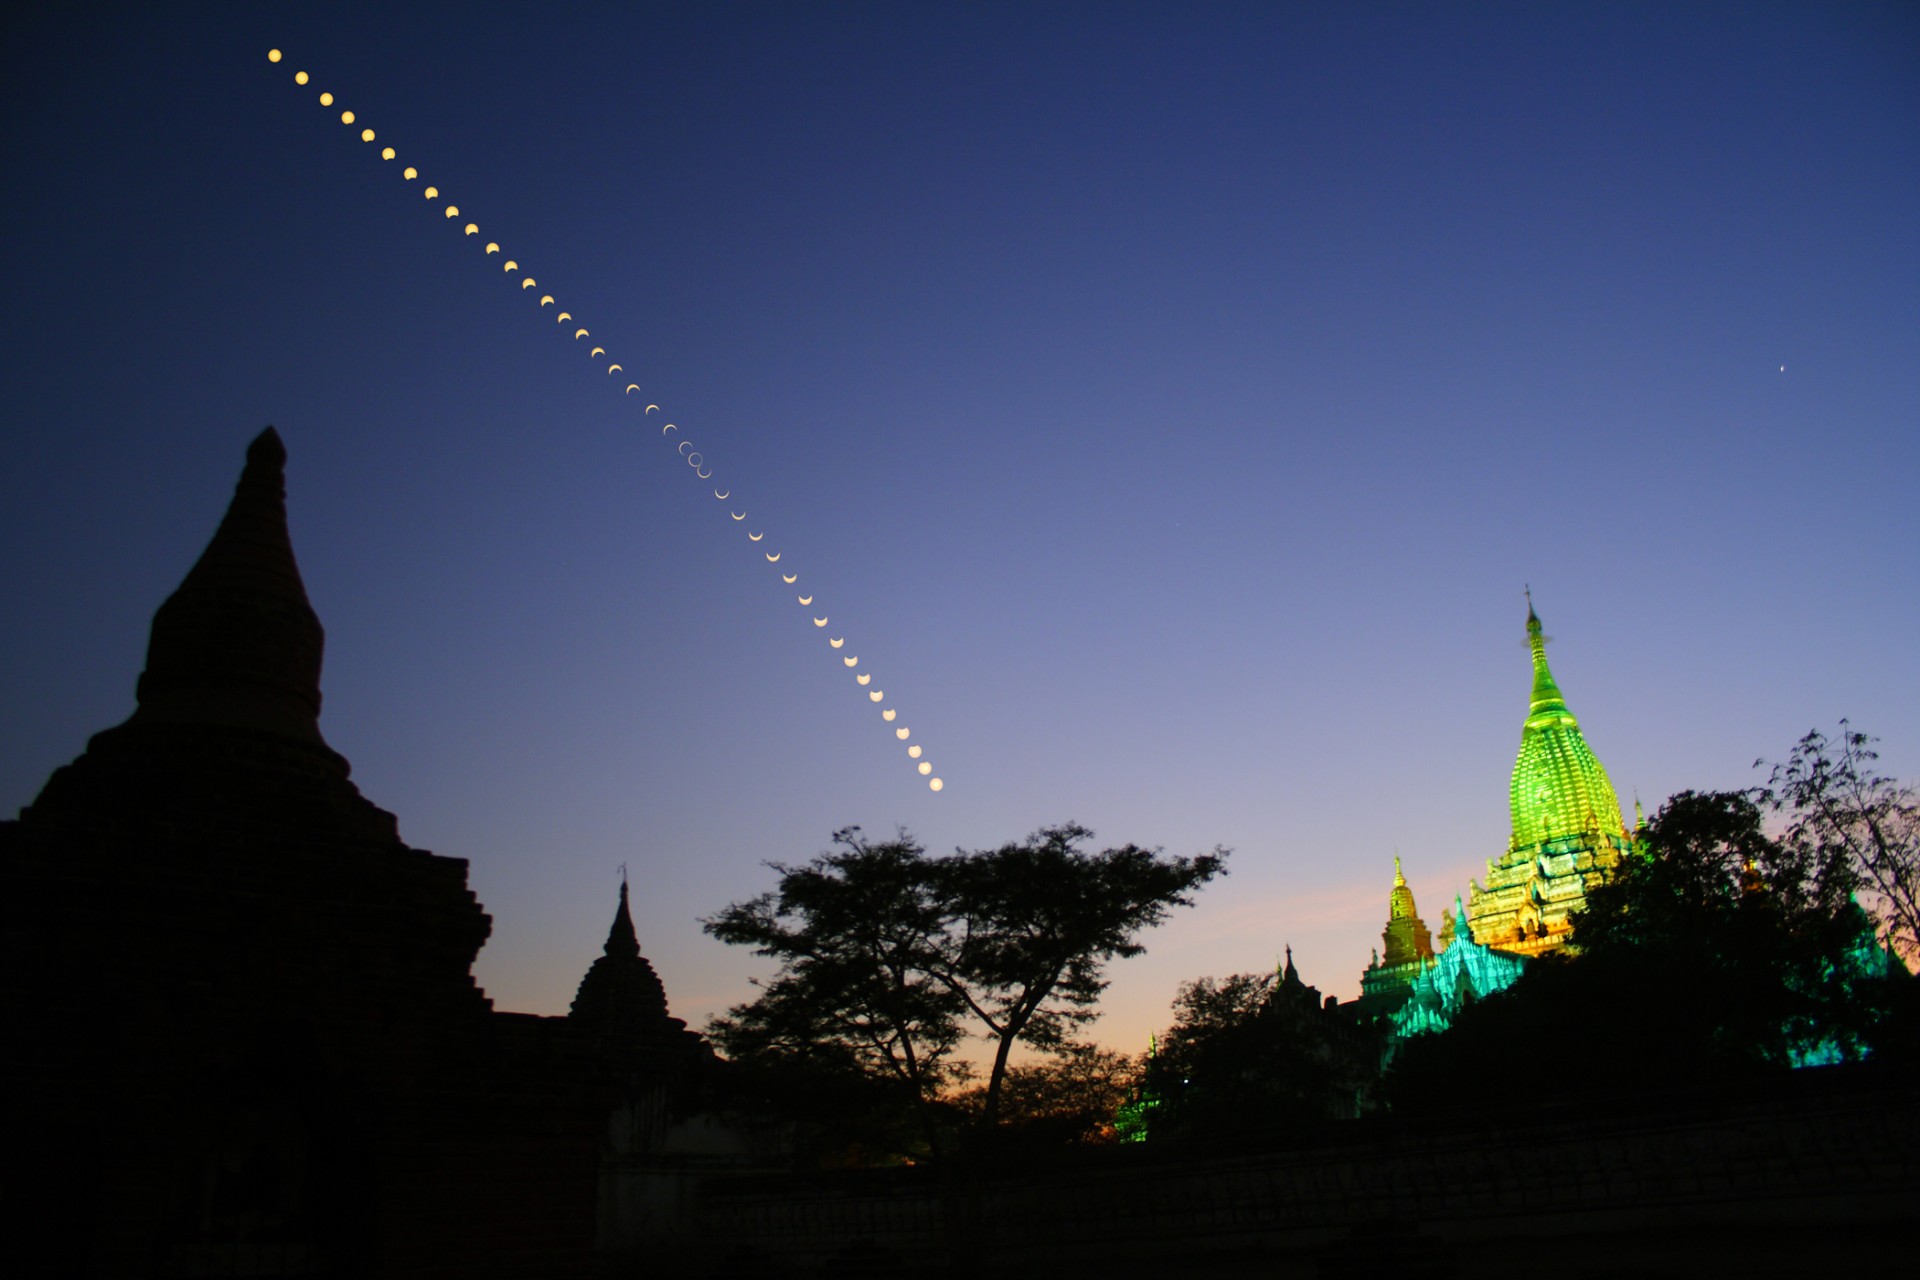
886, 952
855, 933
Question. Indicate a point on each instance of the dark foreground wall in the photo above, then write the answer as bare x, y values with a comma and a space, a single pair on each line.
1822, 1178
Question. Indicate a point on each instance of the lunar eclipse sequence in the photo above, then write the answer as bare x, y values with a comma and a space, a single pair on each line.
683, 448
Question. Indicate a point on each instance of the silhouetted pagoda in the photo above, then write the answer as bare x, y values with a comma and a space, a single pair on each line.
243, 1033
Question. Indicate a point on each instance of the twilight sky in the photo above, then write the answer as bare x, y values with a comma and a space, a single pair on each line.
1166, 403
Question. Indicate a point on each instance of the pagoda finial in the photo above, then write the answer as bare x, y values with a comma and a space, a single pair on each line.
1546, 704
1399, 881
621, 939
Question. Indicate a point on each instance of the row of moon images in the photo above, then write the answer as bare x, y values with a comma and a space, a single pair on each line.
684, 448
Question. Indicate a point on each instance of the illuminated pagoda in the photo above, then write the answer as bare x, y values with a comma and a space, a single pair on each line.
1567, 829
1389, 979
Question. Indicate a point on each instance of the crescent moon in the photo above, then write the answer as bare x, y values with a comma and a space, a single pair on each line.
597, 351
509, 265
633, 387
471, 230
493, 248
790, 579
819, 622
702, 473
740, 516
546, 299
528, 283
667, 428
578, 333
773, 557
721, 496
852, 662
755, 537
684, 444
649, 409
695, 461
563, 317
863, 679
804, 599
836, 643
612, 367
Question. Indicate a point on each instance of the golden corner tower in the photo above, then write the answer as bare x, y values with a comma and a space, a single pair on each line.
1567, 829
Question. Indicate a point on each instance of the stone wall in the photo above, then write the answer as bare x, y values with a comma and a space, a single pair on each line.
1820, 1179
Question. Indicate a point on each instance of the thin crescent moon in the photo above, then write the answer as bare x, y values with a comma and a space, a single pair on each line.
612, 367
804, 599
579, 334
773, 557
721, 496
703, 474
790, 579
649, 409
837, 643
633, 387
545, 298
597, 351
695, 461
755, 537
563, 317
667, 428
819, 622
738, 515
684, 444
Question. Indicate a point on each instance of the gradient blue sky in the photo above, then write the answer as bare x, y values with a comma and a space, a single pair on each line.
1166, 402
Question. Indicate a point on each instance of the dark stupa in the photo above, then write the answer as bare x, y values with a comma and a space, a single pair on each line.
620, 992
243, 1034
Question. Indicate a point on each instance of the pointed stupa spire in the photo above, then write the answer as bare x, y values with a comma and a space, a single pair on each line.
621, 994
1559, 787
237, 645
1546, 705
1406, 937
622, 942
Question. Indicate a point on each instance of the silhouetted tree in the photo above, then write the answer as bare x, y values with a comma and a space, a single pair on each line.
1257, 1054
1771, 926
885, 952
1068, 1098
857, 933
1035, 924
1839, 808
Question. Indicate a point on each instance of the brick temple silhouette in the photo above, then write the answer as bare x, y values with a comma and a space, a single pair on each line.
244, 1035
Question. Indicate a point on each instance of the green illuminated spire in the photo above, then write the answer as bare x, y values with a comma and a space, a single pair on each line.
1559, 788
